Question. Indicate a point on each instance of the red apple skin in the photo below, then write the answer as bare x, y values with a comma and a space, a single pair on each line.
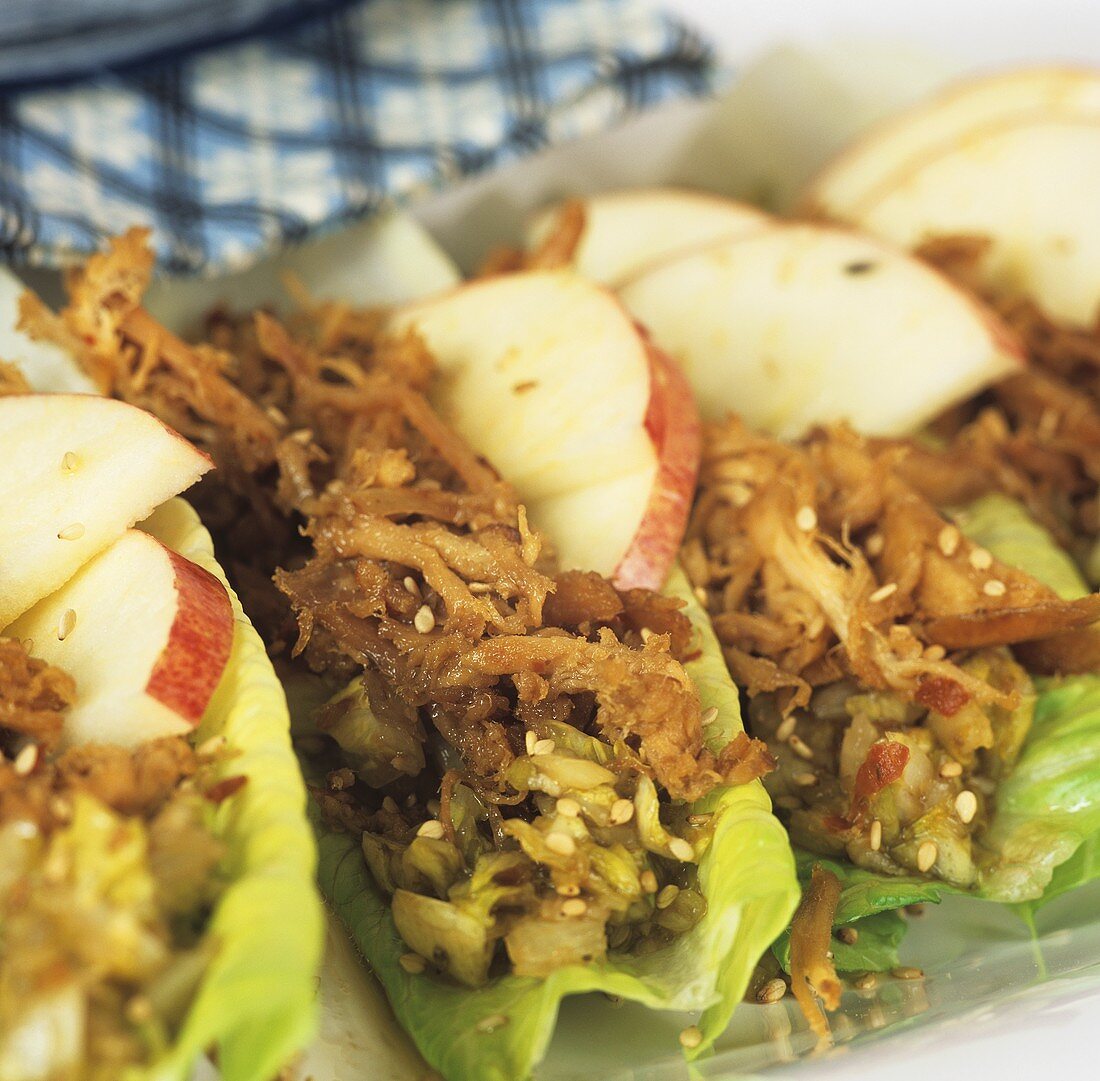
673, 424
197, 651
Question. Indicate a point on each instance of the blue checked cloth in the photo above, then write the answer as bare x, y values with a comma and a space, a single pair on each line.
231, 151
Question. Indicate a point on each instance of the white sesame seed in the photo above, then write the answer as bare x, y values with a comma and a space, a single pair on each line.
575, 906
432, 829
874, 545
276, 414
648, 881
667, 895
966, 805
800, 747
935, 653
948, 540
709, 716
491, 1023
994, 588
740, 495
646, 634
926, 856
806, 519
210, 747
622, 811
412, 963
951, 768
786, 728
69, 462
26, 760
71, 532
529, 740
409, 582
980, 559
700, 594
568, 808
28, 645
772, 991
561, 843
906, 972
875, 838
883, 592
66, 624
805, 780
424, 620
479, 587
567, 889
543, 746
866, 982
681, 849
691, 1037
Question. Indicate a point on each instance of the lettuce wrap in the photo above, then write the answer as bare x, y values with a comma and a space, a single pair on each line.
501, 1030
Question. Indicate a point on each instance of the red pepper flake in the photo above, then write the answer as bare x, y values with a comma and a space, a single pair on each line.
225, 788
942, 695
884, 764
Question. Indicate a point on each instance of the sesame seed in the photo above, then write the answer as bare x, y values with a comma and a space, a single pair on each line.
479, 587
875, 838
303, 436
788, 803
772, 991
874, 545
66, 624
71, 532
805, 780
667, 895
622, 811
848, 935
26, 760
568, 889
951, 768
948, 540
709, 716
432, 829
389, 805
866, 981
883, 592
569, 808
491, 1023
966, 806
648, 881
646, 634
907, 973
980, 559
28, 645
740, 495
575, 906
806, 519
276, 414
700, 594
409, 582
210, 747
543, 746
681, 849
994, 588
786, 728
561, 843
800, 747
69, 462
61, 809
926, 856
935, 653
529, 740
412, 963
691, 1037
424, 620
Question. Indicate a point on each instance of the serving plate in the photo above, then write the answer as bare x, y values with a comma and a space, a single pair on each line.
999, 997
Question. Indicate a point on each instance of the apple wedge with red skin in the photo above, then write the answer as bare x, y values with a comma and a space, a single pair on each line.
78, 471
146, 635
807, 324
624, 231
1013, 158
548, 377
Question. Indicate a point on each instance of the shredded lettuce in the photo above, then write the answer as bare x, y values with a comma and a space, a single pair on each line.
500, 1031
255, 1003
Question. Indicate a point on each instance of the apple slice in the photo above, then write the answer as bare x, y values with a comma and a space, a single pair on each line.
549, 378
1021, 171
806, 324
78, 471
626, 230
144, 633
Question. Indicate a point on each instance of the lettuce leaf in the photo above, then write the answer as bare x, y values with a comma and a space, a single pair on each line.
501, 1031
256, 1000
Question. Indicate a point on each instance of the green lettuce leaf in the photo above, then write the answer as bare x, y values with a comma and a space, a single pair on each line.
255, 1003
500, 1031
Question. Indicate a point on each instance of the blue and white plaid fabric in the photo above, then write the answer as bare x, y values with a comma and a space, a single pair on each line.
229, 152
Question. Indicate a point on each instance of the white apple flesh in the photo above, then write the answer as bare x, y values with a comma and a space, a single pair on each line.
146, 635
78, 472
625, 231
1014, 158
806, 324
548, 377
